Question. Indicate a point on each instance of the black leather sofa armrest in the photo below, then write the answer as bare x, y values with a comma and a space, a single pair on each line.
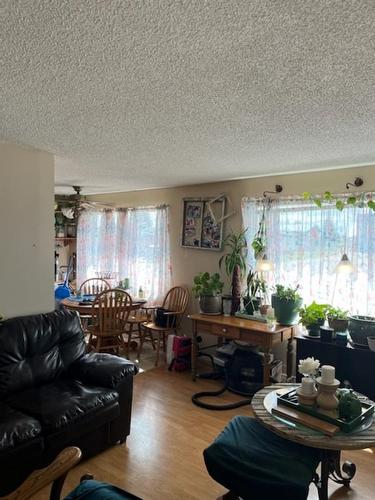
104, 370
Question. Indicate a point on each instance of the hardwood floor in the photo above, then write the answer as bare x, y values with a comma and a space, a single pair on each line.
162, 458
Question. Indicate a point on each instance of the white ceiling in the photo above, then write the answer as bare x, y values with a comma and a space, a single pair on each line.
140, 94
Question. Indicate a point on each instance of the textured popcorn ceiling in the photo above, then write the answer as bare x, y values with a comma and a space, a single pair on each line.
138, 94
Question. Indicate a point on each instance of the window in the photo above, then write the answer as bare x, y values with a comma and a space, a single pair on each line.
306, 243
128, 243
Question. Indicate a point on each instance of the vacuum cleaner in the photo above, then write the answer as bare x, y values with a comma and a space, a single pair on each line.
241, 367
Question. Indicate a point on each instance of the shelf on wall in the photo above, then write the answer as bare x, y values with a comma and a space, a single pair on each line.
64, 240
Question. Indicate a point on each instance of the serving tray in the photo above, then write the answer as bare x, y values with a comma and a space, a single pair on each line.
291, 399
244, 315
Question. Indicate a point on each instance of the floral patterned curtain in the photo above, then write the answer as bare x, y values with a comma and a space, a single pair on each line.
126, 243
306, 242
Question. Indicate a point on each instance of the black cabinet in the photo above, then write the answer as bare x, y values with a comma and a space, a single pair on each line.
352, 364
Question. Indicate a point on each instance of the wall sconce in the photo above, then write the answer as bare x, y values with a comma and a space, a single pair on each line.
358, 181
278, 189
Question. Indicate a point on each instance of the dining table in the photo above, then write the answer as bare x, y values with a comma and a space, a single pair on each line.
85, 307
330, 446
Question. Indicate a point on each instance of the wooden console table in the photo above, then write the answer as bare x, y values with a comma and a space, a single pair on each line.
253, 332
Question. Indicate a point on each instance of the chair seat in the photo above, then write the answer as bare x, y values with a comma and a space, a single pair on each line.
94, 330
152, 326
137, 319
63, 403
253, 462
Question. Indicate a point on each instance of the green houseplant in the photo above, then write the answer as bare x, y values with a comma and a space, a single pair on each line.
312, 317
234, 262
337, 319
286, 302
256, 285
208, 288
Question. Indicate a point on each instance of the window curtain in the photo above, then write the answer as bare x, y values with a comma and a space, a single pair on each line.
306, 243
126, 243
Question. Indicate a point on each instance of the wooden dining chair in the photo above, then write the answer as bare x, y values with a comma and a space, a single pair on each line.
54, 473
110, 312
175, 302
134, 327
93, 286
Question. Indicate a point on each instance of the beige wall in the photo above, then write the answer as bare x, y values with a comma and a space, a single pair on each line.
188, 262
26, 230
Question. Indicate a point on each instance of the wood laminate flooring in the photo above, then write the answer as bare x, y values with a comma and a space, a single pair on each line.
162, 459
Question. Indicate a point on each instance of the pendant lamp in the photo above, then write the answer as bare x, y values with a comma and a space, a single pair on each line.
344, 266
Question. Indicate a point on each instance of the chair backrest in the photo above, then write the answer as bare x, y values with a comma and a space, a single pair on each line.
177, 300
93, 286
37, 349
111, 310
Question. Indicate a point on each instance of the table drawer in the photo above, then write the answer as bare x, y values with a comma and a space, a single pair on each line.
231, 332
203, 327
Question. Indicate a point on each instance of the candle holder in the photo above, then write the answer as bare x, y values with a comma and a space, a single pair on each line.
307, 392
326, 399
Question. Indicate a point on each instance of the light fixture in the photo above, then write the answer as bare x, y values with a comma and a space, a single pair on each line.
358, 181
264, 265
344, 266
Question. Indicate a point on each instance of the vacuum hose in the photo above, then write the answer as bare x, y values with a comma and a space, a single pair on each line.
208, 406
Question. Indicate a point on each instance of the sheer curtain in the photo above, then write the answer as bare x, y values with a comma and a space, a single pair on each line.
127, 243
306, 242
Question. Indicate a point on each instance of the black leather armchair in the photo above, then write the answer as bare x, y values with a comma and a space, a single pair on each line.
53, 394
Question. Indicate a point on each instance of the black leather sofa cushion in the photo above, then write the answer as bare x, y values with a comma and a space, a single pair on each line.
62, 403
38, 349
16, 428
102, 369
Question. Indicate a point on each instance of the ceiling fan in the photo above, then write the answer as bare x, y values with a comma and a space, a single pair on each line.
72, 205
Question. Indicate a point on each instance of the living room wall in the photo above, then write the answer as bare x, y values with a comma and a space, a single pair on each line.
26, 222
187, 262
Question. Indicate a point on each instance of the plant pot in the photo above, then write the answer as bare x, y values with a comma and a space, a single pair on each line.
361, 327
314, 329
210, 304
227, 305
286, 311
263, 309
339, 325
251, 304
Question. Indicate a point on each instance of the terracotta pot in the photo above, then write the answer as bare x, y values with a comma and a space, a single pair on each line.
263, 309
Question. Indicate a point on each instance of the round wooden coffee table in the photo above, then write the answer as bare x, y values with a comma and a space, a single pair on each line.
330, 446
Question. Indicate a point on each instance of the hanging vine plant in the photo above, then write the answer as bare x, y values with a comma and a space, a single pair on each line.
353, 200
259, 242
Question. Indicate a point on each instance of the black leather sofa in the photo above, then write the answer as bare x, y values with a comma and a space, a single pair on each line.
53, 394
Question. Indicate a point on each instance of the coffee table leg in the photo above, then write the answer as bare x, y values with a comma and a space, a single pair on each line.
331, 469
289, 358
266, 368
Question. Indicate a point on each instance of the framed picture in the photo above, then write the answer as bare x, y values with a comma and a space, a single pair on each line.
202, 225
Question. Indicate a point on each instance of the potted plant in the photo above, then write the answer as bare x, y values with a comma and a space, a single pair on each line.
337, 319
256, 285
208, 288
312, 317
234, 262
286, 302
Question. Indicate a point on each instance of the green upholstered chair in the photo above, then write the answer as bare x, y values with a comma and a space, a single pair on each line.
254, 463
